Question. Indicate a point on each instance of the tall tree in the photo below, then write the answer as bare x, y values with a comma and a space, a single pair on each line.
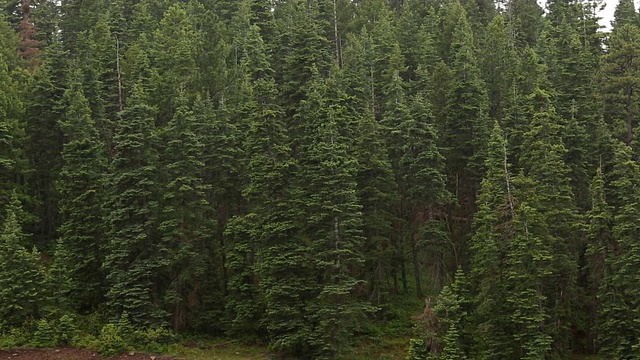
184, 224
79, 251
493, 226
135, 258
22, 278
618, 329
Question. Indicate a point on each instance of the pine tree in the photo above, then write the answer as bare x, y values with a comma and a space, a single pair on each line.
333, 220
12, 135
619, 77
493, 227
528, 268
599, 248
466, 122
452, 311
377, 188
44, 107
173, 56
134, 255
79, 252
543, 163
625, 14
22, 278
424, 190
618, 329
183, 220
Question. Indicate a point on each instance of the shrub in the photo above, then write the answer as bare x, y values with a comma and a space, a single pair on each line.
45, 335
67, 329
110, 342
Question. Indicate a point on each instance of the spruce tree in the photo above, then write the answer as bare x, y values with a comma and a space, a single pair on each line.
44, 107
599, 248
620, 74
618, 329
183, 220
333, 221
79, 252
493, 227
467, 122
528, 269
543, 163
134, 255
22, 278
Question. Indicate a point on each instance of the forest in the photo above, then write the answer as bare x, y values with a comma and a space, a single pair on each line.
289, 171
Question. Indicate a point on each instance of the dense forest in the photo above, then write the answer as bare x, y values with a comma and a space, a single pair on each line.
284, 170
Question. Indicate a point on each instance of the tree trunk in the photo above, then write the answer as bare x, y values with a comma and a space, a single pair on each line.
416, 272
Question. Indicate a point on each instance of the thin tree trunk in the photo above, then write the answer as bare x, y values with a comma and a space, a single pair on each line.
120, 102
416, 272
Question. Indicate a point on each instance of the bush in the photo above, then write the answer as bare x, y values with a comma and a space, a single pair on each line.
45, 335
110, 341
15, 337
67, 329
417, 350
154, 340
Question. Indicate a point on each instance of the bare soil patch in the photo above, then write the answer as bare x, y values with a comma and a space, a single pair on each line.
71, 354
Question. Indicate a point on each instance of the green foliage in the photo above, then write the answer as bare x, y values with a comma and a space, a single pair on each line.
111, 341
297, 172
417, 350
22, 278
45, 335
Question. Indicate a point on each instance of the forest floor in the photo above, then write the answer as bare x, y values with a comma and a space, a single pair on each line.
71, 354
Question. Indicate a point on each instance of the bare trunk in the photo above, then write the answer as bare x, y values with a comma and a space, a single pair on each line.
335, 33
416, 272
120, 103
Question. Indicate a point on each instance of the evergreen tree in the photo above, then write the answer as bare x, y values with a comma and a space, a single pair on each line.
529, 266
618, 329
543, 164
183, 220
134, 255
624, 14
333, 221
619, 77
22, 279
175, 44
79, 252
450, 311
466, 125
44, 107
493, 226
599, 247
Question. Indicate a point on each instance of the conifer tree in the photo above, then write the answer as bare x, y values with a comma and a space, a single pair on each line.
599, 248
44, 107
79, 252
183, 220
618, 329
466, 118
12, 160
529, 266
544, 165
377, 188
452, 311
134, 255
493, 225
624, 14
620, 73
22, 278
173, 56
333, 220
424, 189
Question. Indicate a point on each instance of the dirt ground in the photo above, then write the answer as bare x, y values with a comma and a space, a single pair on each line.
70, 354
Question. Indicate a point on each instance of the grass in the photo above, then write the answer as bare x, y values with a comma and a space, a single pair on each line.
219, 350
